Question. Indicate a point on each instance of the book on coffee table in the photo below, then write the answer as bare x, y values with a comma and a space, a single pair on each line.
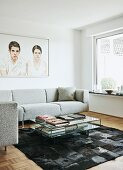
77, 116
57, 122
44, 118
53, 131
65, 117
72, 116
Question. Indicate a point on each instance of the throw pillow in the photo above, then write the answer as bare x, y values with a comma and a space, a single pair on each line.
66, 93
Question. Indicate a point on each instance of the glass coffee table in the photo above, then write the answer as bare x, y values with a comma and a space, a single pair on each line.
80, 125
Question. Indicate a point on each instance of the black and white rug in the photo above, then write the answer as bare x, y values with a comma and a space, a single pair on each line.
75, 152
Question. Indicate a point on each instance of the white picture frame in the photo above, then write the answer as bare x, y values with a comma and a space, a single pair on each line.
23, 56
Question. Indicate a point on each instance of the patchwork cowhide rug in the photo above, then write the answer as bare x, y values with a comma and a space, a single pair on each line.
74, 152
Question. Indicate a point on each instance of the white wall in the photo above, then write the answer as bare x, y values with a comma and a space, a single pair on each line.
106, 104
86, 47
64, 55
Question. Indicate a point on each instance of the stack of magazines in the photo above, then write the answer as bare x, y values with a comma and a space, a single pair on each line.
41, 119
53, 132
73, 116
52, 120
50, 131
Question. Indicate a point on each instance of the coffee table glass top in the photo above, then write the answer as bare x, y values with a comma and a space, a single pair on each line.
70, 126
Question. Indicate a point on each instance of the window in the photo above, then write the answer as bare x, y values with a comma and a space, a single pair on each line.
108, 58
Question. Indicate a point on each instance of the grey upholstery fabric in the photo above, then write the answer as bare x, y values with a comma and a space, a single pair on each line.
66, 93
29, 96
52, 94
33, 102
33, 110
82, 95
5, 95
20, 112
71, 106
8, 123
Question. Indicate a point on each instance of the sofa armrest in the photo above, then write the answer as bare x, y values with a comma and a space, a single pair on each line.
20, 111
8, 123
82, 95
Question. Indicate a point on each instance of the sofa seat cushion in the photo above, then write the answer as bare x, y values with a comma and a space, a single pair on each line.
72, 106
33, 110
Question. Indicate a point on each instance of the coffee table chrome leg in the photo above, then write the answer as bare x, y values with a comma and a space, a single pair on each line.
23, 122
85, 133
5, 148
100, 122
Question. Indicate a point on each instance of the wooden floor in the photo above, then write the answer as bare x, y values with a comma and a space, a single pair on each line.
106, 120
13, 159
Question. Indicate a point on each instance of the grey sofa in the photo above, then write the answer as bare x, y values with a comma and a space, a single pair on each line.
8, 123
34, 102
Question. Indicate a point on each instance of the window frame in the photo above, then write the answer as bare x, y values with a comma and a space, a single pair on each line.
94, 53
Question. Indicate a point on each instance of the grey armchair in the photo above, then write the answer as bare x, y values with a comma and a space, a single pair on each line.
8, 124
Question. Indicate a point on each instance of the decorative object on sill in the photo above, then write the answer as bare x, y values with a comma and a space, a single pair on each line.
109, 91
108, 84
120, 90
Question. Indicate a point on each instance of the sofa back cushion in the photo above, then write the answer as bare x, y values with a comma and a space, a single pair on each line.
29, 96
52, 94
5, 95
66, 93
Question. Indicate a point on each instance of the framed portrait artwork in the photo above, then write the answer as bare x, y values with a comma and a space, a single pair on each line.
22, 56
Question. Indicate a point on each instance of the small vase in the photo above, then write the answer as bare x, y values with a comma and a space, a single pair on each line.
109, 91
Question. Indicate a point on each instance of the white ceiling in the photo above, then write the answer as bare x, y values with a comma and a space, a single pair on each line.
63, 13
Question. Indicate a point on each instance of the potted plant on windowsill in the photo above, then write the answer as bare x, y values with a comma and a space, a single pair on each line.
108, 84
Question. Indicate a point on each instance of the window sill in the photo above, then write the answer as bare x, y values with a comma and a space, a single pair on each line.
101, 93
